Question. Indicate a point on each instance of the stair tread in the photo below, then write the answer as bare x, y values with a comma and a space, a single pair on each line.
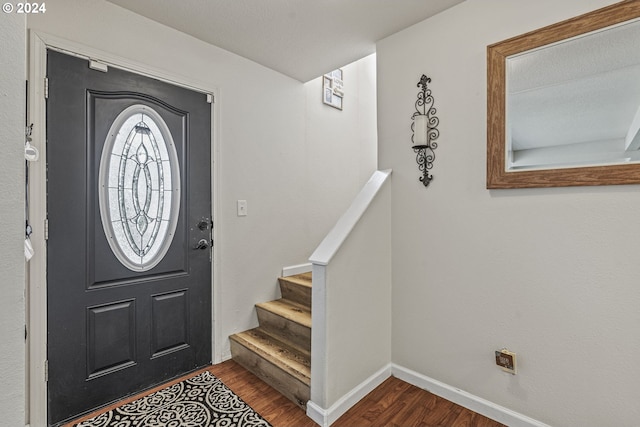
290, 310
303, 279
273, 350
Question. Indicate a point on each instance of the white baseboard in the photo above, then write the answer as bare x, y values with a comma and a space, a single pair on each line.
296, 269
326, 417
317, 414
467, 400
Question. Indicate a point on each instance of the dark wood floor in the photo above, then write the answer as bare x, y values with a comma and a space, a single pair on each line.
396, 403
393, 404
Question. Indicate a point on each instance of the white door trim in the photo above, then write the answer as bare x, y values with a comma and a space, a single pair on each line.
37, 269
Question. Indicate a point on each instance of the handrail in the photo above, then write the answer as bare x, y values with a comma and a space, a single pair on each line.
334, 239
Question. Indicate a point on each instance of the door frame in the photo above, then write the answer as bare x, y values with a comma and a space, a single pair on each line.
36, 268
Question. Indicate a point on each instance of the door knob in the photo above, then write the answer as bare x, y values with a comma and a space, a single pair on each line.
202, 244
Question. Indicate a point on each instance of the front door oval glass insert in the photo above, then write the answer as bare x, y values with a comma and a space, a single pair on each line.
139, 183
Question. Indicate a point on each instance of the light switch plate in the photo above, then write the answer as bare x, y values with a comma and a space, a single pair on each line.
242, 208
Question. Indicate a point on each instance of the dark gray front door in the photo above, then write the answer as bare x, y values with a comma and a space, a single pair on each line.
129, 262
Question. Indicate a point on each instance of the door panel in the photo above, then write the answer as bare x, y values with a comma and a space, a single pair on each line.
117, 326
111, 337
169, 322
103, 108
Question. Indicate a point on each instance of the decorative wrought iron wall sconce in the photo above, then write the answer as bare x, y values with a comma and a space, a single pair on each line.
425, 130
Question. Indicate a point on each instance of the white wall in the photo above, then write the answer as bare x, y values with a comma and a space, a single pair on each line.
266, 156
12, 303
341, 144
552, 274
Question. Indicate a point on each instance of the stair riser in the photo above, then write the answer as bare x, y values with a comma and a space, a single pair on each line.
295, 292
290, 332
292, 388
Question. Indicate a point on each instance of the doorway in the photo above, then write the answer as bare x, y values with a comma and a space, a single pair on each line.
129, 234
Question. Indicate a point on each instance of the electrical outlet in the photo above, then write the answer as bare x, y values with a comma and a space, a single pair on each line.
506, 360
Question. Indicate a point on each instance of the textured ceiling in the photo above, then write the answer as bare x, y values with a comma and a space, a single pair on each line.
299, 38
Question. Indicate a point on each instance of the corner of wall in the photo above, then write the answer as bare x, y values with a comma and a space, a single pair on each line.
12, 270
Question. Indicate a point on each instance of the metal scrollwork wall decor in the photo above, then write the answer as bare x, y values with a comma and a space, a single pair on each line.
425, 130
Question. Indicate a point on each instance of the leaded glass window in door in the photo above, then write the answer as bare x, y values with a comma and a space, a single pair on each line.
139, 187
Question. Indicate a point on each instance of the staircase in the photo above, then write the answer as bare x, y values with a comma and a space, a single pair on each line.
279, 350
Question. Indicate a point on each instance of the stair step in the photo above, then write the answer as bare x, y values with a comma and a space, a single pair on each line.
283, 367
297, 288
290, 322
290, 310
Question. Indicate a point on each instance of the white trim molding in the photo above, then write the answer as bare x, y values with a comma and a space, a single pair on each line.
107, 59
296, 269
472, 402
37, 267
326, 417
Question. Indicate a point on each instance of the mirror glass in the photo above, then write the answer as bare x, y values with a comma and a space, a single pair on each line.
575, 102
563, 103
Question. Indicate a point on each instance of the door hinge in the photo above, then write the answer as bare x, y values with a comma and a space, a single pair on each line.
46, 229
46, 88
46, 371
210, 98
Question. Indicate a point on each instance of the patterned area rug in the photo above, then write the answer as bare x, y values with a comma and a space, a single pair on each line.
200, 401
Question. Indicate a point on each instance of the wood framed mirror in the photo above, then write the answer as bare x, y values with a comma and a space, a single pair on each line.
584, 64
